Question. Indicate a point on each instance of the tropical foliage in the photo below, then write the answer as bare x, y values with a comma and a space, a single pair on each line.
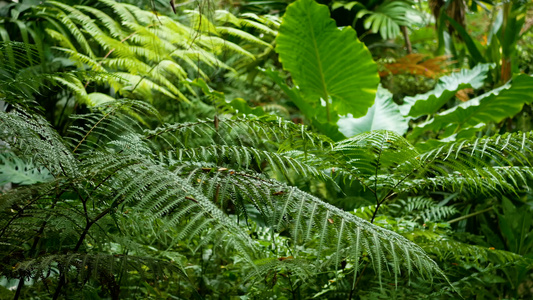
257, 150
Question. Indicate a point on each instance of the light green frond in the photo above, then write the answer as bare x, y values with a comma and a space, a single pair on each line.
76, 86
125, 14
73, 29
109, 23
260, 23
242, 35
201, 23
141, 85
141, 16
219, 45
62, 39
138, 38
84, 59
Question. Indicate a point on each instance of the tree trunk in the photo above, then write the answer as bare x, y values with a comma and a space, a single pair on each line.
407, 40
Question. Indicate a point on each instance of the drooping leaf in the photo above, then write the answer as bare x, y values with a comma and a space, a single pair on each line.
430, 102
96, 98
315, 112
310, 110
384, 114
493, 106
469, 42
388, 17
326, 62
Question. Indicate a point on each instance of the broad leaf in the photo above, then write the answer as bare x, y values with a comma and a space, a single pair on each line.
308, 109
430, 102
326, 63
384, 114
493, 106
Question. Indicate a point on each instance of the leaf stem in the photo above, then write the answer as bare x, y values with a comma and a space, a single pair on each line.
471, 215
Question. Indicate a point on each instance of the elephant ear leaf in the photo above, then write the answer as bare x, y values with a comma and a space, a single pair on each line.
494, 106
430, 102
328, 64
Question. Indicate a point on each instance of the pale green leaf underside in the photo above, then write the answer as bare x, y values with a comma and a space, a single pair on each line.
15, 170
384, 114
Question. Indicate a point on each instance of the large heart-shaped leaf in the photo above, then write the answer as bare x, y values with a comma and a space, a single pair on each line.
328, 64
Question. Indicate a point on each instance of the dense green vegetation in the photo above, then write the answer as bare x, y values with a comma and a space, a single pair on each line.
266, 149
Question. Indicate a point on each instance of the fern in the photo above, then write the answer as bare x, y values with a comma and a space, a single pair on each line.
141, 48
182, 191
485, 164
201, 181
426, 209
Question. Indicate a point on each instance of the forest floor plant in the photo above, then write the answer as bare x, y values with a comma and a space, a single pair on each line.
122, 202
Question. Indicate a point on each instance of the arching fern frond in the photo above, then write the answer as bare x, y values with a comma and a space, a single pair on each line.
240, 131
386, 160
115, 168
133, 43
21, 73
307, 219
421, 209
454, 250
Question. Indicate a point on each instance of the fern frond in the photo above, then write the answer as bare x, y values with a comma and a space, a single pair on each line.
453, 250
307, 218
136, 40
33, 135
386, 160
239, 131
260, 23
243, 157
70, 25
421, 207
85, 266
483, 162
21, 74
